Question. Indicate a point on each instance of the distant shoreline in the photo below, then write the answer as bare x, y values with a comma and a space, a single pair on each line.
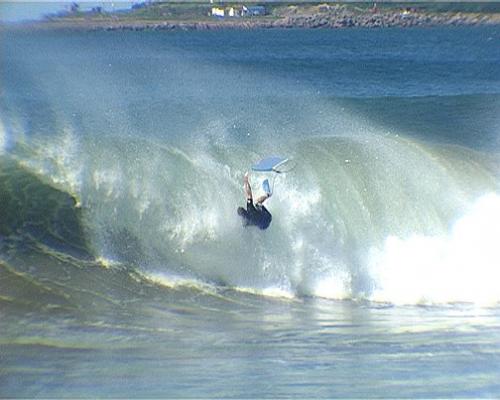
326, 16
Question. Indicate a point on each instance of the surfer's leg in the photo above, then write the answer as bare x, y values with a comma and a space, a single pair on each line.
246, 186
262, 199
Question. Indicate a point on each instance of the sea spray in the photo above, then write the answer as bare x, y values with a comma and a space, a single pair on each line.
460, 266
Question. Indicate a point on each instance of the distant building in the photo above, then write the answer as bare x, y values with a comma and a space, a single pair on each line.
253, 11
217, 12
243, 11
225, 12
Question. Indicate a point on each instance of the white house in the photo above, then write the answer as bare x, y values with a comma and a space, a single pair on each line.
221, 12
217, 12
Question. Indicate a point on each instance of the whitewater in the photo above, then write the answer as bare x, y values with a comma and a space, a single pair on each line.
122, 156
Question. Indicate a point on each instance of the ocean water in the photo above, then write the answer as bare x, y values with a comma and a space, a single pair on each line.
125, 271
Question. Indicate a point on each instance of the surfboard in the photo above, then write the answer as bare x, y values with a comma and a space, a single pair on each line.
270, 164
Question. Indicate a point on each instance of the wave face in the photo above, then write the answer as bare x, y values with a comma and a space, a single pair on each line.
35, 209
99, 161
378, 218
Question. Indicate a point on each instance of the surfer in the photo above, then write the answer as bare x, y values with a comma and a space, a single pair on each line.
255, 214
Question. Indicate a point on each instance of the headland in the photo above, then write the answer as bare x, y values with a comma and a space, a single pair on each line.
265, 15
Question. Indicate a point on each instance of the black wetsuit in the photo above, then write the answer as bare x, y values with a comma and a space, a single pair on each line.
255, 215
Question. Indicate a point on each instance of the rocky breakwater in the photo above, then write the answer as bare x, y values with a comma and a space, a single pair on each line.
338, 16
326, 16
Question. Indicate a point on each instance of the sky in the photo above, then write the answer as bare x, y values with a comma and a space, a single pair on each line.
22, 10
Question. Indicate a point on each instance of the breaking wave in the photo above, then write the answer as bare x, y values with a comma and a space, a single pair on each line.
380, 218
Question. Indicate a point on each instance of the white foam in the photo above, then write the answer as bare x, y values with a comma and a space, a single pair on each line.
300, 203
106, 262
171, 281
335, 285
196, 224
271, 291
463, 266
